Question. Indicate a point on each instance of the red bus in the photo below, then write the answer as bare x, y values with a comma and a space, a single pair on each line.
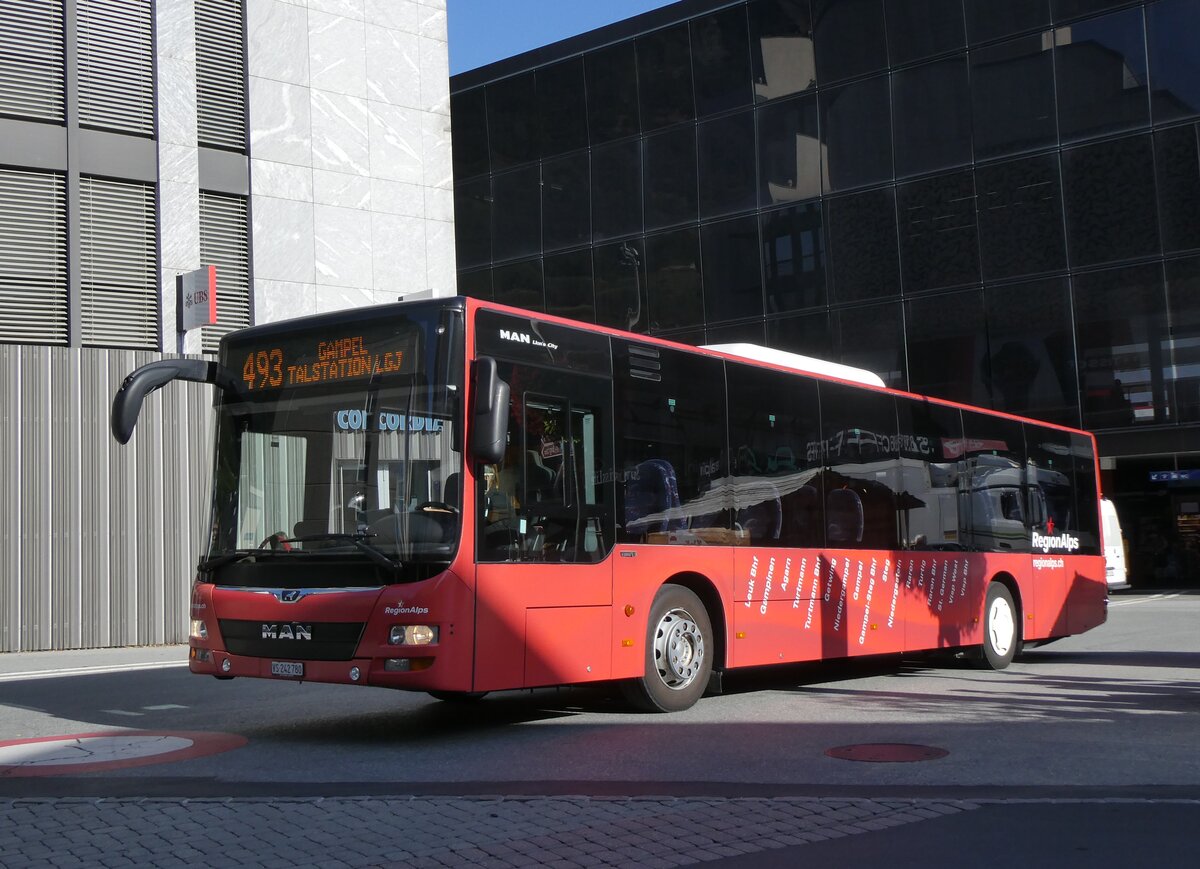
458, 497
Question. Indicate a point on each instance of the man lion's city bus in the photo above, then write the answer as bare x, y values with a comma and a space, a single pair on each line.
457, 497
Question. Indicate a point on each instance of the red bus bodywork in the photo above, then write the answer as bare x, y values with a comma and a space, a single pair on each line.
523, 625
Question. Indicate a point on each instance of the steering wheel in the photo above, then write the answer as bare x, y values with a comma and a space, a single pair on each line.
436, 506
278, 540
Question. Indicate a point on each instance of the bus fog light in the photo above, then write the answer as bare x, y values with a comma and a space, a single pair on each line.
354, 674
199, 629
413, 635
397, 665
226, 666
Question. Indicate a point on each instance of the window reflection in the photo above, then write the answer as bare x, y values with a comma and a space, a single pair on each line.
732, 278
561, 109
1100, 71
1012, 97
850, 38
917, 29
1177, 165
987, 19
1020, 217
1183, 288
612, 92
673, 280
473, 222
616, 189
568, 278
1171, 28
620, 280
789, 151
856, 134
781, 48
793, 258
1030, 366
566, 215
721, 61
939, 242
1123, 346
516, 214
520, 285
664, 67
726, 164
932, 116
512, 121
470, 143
947, 347
669, 176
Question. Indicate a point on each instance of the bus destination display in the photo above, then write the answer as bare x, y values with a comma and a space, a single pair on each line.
311, 361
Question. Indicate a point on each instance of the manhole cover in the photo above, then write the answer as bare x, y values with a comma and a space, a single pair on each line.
96, 752
886, 752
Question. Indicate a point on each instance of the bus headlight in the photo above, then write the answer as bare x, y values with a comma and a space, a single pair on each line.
413, 635
199, 629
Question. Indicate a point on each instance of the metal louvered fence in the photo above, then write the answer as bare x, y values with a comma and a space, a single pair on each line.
98, 542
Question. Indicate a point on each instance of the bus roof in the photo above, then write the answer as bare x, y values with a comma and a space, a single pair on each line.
798, 362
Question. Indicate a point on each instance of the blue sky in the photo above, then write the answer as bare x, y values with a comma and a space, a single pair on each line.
484, 31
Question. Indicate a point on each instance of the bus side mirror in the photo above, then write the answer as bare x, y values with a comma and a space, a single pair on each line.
489, 421
127, 403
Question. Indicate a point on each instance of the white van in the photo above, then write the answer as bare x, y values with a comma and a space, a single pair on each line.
1114, 546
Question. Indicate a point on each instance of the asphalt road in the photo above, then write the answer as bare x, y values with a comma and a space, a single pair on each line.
1083, 750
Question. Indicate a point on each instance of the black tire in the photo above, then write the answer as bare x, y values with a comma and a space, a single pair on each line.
458, 696
1001, 629
679, 649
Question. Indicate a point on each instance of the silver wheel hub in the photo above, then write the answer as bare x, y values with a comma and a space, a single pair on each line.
1001, 626
678, 649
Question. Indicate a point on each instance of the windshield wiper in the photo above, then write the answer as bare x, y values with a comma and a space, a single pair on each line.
211, 564
359, 540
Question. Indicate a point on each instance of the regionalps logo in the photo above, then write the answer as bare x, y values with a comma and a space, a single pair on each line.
1060, 542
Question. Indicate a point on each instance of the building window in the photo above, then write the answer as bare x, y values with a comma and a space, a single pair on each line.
118, 264
33, 258
220, 74
224, 242
116, 65
32, 77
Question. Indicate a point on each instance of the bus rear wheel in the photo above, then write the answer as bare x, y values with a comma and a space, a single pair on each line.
1001, 629
679, 647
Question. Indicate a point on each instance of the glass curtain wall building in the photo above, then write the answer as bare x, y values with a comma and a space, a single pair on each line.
997, 203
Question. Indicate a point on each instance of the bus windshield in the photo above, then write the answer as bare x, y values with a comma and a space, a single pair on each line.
341, 446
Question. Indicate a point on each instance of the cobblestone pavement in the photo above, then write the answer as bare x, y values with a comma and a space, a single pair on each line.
431, 831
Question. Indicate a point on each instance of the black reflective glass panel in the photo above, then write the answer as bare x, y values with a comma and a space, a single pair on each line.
673, 280
850, 38
726, 164
1030, 367
1171, 28
917, 29
1100, 71
871, 337
1183, 294
932, 116
1123, 346
616, 189
862, 246
947, 347
773, 419
665, 77
612, 92
566, 211
1177, 164
939, 242
781, 48
1020, 217
512, 121
1109, 194
561, 106
476, 284
669, 177
568, 281
856, 132
1067, 9
736, 333
519, 285
861, 474
732, 277
721, 61
620, 285
473, 222
470, 143
789, 151
989, 19
1012, 97
793, 258
807, 334
516, 213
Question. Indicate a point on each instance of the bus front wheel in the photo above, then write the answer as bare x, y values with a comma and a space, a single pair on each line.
679, 648
1001, 628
